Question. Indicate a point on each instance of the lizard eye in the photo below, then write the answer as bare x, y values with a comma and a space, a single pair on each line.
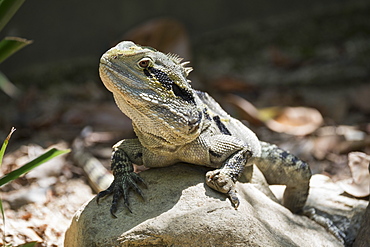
144, 63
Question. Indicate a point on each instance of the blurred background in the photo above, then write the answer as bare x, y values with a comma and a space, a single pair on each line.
305, 50
297, 71
70, 29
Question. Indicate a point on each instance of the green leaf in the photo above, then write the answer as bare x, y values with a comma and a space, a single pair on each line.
30, 244
10, 45
8, 87
5, 144
3, 217
2, 151
7, 10
32, 164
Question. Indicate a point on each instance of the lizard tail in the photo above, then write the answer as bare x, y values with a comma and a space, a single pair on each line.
281, 167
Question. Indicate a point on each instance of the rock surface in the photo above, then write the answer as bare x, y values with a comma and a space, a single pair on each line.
363, 237
180, 210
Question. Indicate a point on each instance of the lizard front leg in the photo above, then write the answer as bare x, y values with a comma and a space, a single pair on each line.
125, 153
234, 154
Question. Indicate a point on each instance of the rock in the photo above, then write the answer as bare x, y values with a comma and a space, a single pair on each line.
330, 201
181, 210
363, 237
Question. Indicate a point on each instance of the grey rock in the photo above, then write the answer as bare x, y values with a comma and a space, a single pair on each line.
180, 210
363, 237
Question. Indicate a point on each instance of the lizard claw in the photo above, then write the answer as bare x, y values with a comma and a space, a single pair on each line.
120, 188
224, 184
234, 198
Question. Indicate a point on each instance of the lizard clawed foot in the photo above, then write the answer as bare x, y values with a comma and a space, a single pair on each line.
120, 187
224, 184
234, 197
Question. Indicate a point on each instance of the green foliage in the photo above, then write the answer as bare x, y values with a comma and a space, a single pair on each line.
30, 244
24, 169
8, 87
7, 10
9, 45
31, 165
5, 144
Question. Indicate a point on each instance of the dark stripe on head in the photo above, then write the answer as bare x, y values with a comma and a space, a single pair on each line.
147, 73
161, 77
221, 126
183, 93
166, 81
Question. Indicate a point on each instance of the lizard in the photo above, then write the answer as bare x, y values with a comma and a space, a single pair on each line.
175, 123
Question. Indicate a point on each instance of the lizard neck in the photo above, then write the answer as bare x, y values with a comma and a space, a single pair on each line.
163, 124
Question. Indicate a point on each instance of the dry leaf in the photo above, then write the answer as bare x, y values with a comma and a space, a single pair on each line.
248, 111
359, 184
26, 216
339, 139
297, 121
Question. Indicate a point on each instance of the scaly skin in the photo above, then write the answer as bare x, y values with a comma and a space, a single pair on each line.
175, 123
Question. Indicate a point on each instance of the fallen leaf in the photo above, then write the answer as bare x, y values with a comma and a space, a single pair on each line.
297, 121
339, 139
26, 216
248, 111
359, 184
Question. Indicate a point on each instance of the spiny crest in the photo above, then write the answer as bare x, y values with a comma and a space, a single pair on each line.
174, 57
187, 69
177, 59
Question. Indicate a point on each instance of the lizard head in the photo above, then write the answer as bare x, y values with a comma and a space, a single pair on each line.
152, 89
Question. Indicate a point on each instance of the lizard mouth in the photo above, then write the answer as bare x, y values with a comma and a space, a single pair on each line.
107, 72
